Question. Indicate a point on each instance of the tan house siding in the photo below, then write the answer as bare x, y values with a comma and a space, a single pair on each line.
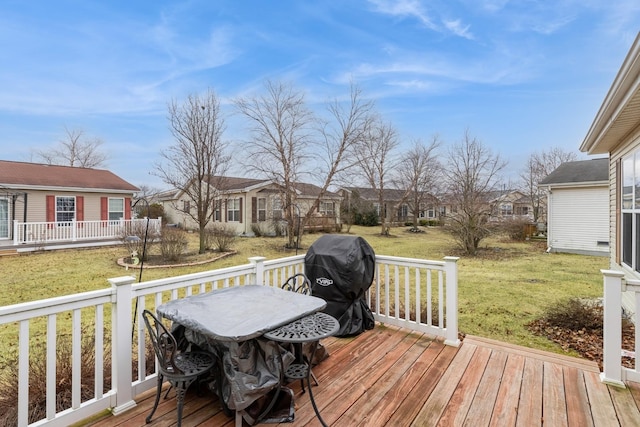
37, 204
248, 205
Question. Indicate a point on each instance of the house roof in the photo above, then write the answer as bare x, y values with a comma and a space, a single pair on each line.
311, 190
619, 114
579, 172
366, 193
230, 183
20, 175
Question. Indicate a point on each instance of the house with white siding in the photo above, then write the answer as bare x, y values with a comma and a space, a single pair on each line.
616, 131
578, 207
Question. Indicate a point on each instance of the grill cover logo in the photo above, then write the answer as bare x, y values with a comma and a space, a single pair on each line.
323, 281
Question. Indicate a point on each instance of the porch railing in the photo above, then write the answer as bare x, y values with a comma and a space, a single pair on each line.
74, 231
613, 371
412, 293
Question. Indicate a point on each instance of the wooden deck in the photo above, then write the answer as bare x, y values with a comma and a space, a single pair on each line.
393, 377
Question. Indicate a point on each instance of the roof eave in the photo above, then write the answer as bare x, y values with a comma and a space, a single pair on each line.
625, 86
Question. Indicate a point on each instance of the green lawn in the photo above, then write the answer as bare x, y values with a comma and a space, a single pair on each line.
500, 291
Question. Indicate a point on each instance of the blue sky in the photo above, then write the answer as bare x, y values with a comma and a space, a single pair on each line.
521, 76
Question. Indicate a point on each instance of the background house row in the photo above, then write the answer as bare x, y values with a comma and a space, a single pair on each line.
58, 194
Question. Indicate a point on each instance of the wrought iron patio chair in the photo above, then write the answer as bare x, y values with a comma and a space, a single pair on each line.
301, 284
180, 368
298, 283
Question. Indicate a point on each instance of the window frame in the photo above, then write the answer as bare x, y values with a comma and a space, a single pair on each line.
322, 209
233, 210
261, 210
5, 224
629, 219
60, 219
111, 211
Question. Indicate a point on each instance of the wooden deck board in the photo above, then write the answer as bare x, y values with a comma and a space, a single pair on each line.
390, 376
460, 402
505, 411
484, 400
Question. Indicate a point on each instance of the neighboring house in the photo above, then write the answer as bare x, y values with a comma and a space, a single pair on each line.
511, 204
616, 131
498, 205
578, 207
247, 203
396, 203
60, 195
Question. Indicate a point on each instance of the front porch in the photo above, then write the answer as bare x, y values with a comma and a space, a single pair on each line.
392, 376
28, 235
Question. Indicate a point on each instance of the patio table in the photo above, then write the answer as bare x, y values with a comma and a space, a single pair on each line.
231, 322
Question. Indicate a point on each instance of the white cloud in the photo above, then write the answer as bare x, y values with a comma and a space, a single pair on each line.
458, 29
404, 8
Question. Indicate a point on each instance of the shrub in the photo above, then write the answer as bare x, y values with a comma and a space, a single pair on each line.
516, 228
258, 229
38, 379
279, 227
133, 238
173, 243
574, 314
368, 219
221, 237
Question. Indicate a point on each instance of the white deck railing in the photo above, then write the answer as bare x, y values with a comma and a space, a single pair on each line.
74, 231
613, 372
117, 338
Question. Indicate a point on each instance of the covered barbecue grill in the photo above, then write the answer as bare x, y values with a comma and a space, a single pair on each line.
341, 269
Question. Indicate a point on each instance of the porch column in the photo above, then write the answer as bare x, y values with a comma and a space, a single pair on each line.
258, 264
612, 328
451, 271
122, 342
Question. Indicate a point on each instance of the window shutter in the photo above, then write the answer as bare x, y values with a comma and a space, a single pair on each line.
127, 208
254, 209
104, 208
51, 208
79, 210
240, 212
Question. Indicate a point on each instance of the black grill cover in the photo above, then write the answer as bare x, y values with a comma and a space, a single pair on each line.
341, 269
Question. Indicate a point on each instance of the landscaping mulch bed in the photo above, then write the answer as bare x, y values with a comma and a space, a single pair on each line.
586, 342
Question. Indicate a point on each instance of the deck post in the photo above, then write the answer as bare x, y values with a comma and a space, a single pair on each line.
258, 263
612, 328
451, 271
122, 343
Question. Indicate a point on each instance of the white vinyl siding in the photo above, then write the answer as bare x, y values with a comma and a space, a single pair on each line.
579, 220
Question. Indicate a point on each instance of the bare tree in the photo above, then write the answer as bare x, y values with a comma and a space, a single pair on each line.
280, 125
347, 127
198, 155
74, 150
472, 177
418, 173
376, 162
538, 166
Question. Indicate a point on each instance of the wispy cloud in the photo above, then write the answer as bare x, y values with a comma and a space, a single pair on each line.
430, 19
404, 8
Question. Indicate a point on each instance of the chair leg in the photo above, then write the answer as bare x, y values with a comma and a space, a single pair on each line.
158, 393
180, 392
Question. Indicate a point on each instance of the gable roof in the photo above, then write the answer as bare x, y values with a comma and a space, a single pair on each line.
22, 175
312, 190
619, 114
231, 183
366, 193
579, 172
